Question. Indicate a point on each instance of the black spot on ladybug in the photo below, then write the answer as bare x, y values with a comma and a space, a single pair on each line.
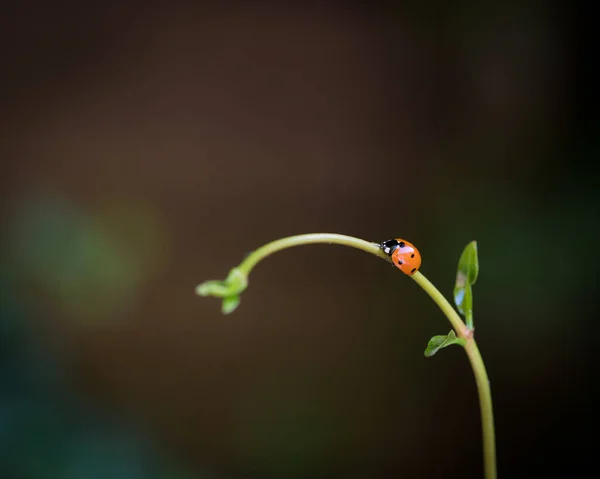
400, 262
412, 255
402, 244
413, 270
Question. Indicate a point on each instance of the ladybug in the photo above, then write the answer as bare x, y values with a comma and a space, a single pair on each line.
403, 254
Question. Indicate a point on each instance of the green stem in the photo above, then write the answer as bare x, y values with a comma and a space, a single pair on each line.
313, 238
481, 377
444, 305
462, 330
485, 406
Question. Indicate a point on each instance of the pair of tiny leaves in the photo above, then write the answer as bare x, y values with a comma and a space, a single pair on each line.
229, 289
466, 275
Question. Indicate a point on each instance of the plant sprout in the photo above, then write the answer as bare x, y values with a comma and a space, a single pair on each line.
462, 333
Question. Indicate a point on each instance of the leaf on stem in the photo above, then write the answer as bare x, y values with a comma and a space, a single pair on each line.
230, 304
438, 342
466, 275
229, 289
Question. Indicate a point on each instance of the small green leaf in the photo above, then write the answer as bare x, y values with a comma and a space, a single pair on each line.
229, 290
468, 264
230, 304
237, 280
438, 342
234, 284
214, 288
466, 275
463, 298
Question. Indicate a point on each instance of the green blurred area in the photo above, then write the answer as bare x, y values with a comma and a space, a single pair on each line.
151, 150
89, 265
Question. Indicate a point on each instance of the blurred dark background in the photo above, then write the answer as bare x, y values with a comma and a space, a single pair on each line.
146, 149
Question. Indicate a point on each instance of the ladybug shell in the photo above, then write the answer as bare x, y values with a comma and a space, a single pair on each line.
403, 254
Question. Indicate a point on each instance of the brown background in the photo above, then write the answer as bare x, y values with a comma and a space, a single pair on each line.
148, 149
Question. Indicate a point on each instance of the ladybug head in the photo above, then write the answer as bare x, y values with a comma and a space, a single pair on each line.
389, 246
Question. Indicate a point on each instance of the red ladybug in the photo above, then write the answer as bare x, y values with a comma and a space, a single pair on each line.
403, 254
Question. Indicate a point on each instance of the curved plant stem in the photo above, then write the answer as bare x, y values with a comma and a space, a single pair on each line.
313, 238
462, 330
481, 377
444, 305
